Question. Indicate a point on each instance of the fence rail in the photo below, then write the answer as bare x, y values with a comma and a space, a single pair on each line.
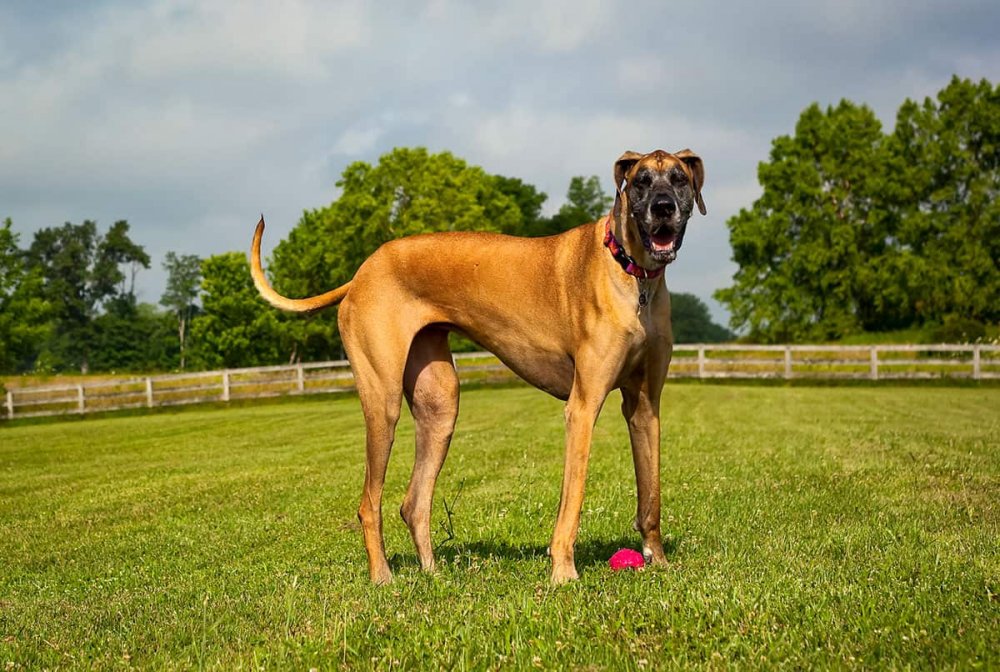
863, 362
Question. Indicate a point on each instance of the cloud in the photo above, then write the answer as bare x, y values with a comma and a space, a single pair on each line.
154, 90
358, 140
558, 26
223, 38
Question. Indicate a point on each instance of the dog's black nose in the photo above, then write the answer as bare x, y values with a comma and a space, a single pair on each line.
663, 206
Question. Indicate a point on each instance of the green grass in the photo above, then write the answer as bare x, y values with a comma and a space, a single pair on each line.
807, 527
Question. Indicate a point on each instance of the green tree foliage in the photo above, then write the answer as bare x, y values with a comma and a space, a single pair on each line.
183, 282
801, 245
133, 337
80, 271
529, 202
409, 191
585, 202
692, 322
235, 327
948, 157
24, 314
858, 231
115, 251
302, 266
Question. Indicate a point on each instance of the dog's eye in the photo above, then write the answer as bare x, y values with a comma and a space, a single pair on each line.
643, 181
678, 179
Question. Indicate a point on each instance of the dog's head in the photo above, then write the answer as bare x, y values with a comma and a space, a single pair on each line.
656, 194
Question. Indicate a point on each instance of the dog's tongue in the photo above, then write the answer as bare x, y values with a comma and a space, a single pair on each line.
662, 242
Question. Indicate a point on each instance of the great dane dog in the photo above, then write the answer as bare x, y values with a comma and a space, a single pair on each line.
576, 314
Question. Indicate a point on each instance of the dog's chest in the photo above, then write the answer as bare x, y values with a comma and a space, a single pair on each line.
644, 331
649, 319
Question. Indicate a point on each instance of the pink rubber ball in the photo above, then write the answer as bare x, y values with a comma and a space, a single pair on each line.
626, 558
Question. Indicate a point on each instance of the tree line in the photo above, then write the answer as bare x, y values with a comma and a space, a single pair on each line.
68, 302
860, 230
857, 231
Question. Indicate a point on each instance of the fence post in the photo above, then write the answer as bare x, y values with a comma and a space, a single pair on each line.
873, 369
80, 404
976, 363
225, 385
300, 379
788, 362
701, 362
10, 405
149, 392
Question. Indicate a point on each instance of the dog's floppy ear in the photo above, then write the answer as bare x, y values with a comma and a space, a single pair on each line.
697, 168
622, 166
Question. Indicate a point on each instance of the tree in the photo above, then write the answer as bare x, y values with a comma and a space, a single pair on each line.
409, 191
24, 314
116, 249
529, 201
235, 328
183, 281
948, 156
860, 231
813, 251
80, 270
133, 337
585, 202
303, 265
692, 322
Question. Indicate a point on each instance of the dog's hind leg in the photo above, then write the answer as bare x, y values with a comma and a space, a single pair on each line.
378, 374
430, 384
381, 414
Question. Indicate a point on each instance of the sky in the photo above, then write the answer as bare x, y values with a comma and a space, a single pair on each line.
189, 118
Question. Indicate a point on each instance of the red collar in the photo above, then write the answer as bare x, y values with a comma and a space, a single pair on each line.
627, 263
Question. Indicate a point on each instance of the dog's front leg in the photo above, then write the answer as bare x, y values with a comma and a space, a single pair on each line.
582, 409
641, 408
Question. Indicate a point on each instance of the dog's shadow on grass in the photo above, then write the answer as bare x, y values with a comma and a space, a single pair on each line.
588, 553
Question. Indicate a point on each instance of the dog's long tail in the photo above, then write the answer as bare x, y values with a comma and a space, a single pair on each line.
331, 298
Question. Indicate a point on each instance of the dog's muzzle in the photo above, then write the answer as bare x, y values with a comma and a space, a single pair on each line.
661, 228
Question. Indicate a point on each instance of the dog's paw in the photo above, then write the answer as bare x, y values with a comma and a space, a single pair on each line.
653, 556
381, 577
562, 575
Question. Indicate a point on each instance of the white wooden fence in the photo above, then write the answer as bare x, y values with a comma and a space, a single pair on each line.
864, 362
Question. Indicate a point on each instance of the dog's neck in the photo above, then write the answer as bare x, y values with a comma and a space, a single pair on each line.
616, 240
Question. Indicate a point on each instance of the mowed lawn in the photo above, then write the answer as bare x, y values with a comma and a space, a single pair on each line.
848, 527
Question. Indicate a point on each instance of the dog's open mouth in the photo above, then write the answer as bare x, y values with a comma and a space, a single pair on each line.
662, 242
